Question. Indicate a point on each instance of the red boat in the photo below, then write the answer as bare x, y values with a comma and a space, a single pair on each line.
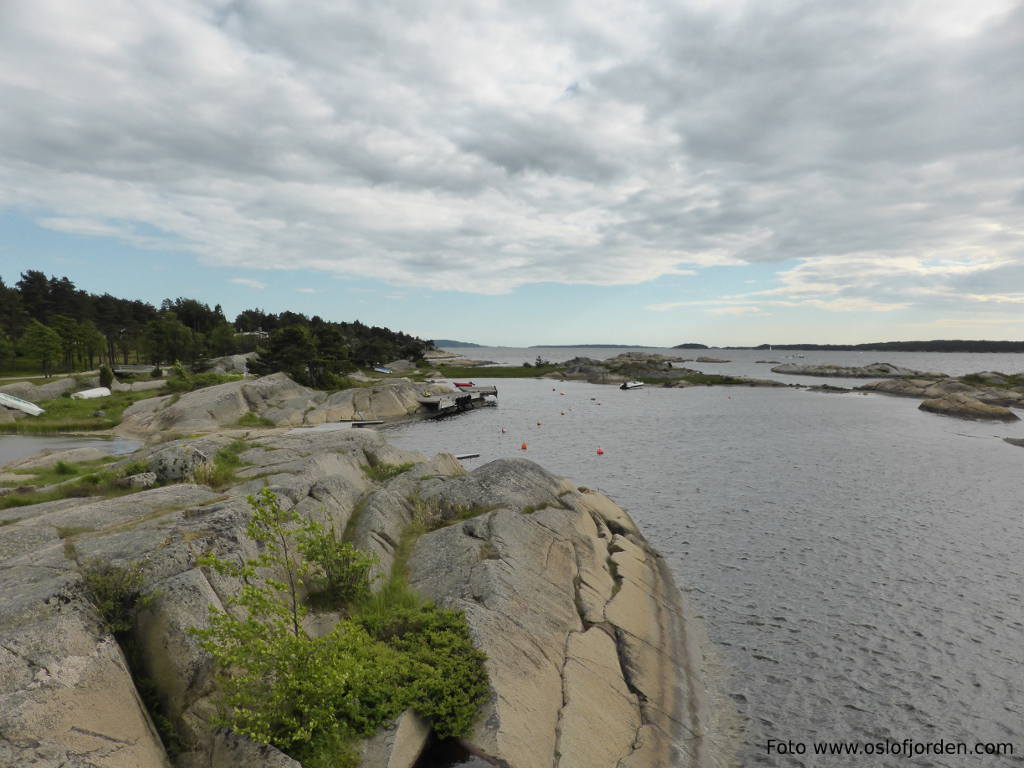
461, 384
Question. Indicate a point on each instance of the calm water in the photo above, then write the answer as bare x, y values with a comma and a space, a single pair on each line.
858, 562
14, 447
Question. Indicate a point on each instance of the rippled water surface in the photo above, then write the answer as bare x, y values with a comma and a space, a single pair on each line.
859, 563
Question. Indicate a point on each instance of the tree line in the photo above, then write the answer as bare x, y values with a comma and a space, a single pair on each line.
49, 324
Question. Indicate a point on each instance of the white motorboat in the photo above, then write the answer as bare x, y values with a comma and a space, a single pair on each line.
631, 385
20, 405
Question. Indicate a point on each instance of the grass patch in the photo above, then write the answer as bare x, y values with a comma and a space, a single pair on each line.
90, 483
496, 372
66, 415
250, 419
220, 473
383, 472
712, 379
8, 521
432, 514
1011, 381
66, 532
193, 381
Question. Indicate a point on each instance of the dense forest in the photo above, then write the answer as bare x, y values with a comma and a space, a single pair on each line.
47, 324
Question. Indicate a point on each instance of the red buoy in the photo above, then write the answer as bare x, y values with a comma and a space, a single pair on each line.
600, 451
522, 447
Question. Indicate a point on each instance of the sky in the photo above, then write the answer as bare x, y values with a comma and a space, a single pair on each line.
631, 172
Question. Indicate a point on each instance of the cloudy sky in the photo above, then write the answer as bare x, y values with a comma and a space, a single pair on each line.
533, 172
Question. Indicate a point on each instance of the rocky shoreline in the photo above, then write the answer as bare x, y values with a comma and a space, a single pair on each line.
584, 629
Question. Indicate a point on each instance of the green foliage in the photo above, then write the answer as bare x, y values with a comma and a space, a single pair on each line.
64, 468
6, 350
115, 591
446, 679
220, 473
41, 343
67, 415
1010, 380
106, 376
189, 382
157, 372
314, 696
340, 572
383, 472
250, 419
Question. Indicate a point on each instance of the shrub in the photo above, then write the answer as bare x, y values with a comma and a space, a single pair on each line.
106, 376
115, 591
156, 373
314, 696
383, 472
341, 572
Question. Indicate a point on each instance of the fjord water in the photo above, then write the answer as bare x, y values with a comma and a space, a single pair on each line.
858, 562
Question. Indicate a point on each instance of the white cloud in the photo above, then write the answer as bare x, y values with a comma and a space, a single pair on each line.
307, 290
878, 144
248, 283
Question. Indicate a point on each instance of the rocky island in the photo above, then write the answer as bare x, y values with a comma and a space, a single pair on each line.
584, 631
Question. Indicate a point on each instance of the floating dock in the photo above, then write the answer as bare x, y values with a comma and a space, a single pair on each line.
463, 400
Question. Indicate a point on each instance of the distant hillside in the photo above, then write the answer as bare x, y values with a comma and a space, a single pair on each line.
588, 346
452, 343
937, 345
691, 345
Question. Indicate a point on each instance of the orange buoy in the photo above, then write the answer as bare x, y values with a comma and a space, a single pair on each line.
522, 447
600, 451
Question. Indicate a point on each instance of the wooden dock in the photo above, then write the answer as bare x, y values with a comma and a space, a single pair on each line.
462, 400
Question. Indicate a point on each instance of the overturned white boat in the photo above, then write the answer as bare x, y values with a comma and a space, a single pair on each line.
18, 404
89, 394
631, 385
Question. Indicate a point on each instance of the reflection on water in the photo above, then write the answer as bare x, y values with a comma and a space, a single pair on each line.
858, 561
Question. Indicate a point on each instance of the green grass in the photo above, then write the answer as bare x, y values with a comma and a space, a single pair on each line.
383, 472
496, 372
250, 419
1013, 381
59, 472
712, 379
66, 415
220, 473
196, 381
92, 480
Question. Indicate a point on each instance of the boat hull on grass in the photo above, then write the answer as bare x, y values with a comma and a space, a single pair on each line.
16, 403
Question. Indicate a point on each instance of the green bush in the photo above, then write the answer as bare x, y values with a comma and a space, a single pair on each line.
340, 572
115, 591
383, 472
314, 696
106, 376
156, 373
